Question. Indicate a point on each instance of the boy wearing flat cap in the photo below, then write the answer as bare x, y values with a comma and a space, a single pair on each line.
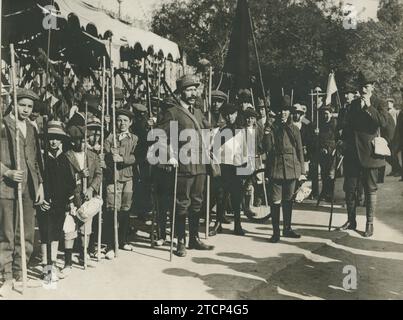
124, 157
31, 182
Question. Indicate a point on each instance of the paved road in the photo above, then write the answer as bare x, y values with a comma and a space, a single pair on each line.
251, 268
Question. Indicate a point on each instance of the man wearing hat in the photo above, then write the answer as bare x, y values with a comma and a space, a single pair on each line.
86, 170
28, 176
363, 124
328, 137
124, 157
285, 166
60, 185
89, 102
191, 174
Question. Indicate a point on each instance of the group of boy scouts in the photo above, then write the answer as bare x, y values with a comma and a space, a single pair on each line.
80, 166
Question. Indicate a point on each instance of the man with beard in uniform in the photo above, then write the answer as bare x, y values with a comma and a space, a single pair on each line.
191, 175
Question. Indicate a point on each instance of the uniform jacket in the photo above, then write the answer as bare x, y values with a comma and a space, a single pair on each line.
186, 120
360, 129
328, 135
28, 157
127, 148
286, 161
95, 174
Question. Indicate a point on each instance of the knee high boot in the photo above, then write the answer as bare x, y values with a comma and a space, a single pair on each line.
123, 230
370, 208
275, 220
287, 220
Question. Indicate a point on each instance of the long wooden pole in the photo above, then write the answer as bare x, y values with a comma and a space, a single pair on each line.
85, 181
208, 187
20, 211
115, 169
102, 156
173, 214
257, 57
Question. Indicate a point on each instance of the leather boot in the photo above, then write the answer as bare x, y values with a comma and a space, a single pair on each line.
194, 240
287, 217
275, 221
351, 223
370, 208
237, 224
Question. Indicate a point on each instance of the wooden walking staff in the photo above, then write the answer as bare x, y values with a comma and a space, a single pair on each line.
173, 215
107, 104
20, 211
85, 180
147, 78
115, 169
208, 186
102, 157
333, 192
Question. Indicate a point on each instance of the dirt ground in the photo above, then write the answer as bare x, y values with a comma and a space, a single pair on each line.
250, 267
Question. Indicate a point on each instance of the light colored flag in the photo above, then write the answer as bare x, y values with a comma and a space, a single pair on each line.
331, 88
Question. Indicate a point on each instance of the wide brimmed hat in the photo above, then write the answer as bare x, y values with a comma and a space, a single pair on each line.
138, 107
228, 109
250, 112
94, 124
76, 132
186, 81
93, 102
298, 108
125, 112
56, 128
365, 78
23, 93
327, 108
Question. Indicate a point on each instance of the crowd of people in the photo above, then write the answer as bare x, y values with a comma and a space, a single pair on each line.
65, 173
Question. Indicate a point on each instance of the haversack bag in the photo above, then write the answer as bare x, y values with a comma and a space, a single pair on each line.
381, 146
89, 209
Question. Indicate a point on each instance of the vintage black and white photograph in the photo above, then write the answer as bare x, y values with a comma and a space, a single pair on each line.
201, 150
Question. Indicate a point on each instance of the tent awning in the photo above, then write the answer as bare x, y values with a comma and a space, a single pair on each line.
123, 34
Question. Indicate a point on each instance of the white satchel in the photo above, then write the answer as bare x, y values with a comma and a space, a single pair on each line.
381, 146
89, 209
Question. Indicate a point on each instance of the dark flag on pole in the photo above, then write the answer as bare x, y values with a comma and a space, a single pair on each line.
237, 60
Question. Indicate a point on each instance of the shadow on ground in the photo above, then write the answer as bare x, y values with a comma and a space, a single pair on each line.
296, 276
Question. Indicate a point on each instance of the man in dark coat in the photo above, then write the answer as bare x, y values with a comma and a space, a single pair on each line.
191, 175
31, 182
285, 166
363, 124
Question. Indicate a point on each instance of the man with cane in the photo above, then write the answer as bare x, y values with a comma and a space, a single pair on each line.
191, 176
30, 179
